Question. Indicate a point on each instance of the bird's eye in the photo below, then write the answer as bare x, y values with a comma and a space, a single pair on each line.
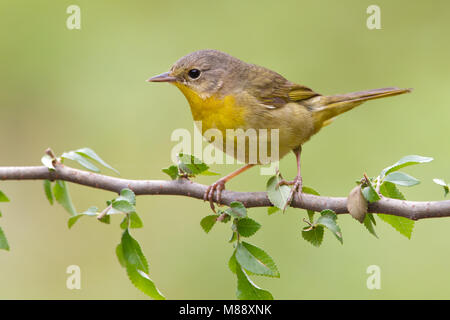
194, 73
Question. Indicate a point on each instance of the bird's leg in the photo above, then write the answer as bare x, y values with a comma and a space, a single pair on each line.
297, 183
219, 186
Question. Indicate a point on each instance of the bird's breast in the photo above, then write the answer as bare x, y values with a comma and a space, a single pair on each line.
214, 112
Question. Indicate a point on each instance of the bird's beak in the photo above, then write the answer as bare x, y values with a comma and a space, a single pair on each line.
163, 77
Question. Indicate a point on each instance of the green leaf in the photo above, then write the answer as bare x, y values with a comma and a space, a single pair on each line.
62, 196
90, 154
105, 219
278, 195
256, 260
369, 224
208, 222
72, 155
128, 195
233, 237
237, 210
191, 165
313, 235
142, 281
370, 193
404, 162
3, 241
247, 227
401, 179
328, 220
48, 191
443, 184
123, 206
130, 256
3, 197
48, 162
272, 210
135, 221
120, 257
390, 190
132, 252
232, 263
73, 219
313, 192
403, 225
247, 290
310, 191
172, 171
125, 222
92, 211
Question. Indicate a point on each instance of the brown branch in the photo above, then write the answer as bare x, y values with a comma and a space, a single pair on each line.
182, 187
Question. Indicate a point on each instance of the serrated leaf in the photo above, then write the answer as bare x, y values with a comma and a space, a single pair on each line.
390, 190
369, 224
237, 210
72, 155
131, 257
278, 195
132, 252
123, 206
208, 222
3, 197
256, 260
404, 162
357, 204
142, 281
247, 290
172, 171
48, 191
191, 165
3, 241
90, 154
48, 162
247, 227
62, 196
402, 179
443, 184
313, 235
403, 225
328, 220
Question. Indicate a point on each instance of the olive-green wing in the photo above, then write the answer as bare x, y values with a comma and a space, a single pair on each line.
281, 94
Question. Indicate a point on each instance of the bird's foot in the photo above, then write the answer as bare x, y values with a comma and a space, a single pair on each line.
297, 186
218, 187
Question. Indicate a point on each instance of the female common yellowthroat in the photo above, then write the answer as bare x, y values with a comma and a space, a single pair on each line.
227, 93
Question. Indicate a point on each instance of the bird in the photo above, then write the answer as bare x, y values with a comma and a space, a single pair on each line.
226, 93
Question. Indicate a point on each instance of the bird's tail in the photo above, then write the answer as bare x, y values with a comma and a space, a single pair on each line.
325, 108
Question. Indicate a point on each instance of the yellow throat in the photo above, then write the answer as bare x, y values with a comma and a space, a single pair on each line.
213, 112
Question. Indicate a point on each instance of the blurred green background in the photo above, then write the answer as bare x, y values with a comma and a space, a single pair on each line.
68, 89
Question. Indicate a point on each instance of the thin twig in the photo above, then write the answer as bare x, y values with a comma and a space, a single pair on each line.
182, 187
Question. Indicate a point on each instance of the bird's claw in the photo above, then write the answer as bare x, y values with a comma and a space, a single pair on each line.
217, 186
297, 184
